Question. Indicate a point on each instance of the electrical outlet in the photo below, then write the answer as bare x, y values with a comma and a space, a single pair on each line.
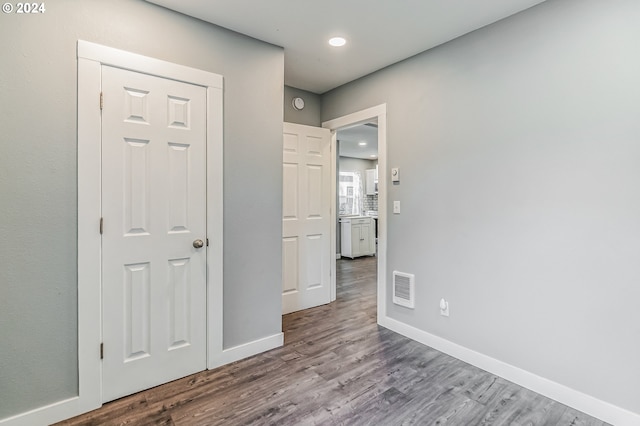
444, 308
396, 207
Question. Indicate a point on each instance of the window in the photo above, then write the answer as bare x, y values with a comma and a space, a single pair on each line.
350, 193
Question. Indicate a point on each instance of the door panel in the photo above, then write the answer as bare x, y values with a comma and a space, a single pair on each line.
137, 322
306, 221
315, 261
154, 206
290, 264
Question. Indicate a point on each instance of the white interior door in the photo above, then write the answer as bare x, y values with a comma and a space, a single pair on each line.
306, 221
154, 206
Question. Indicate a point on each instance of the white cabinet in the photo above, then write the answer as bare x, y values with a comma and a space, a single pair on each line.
357, 237
371, 181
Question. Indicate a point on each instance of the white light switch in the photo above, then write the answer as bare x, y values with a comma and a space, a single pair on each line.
396, 207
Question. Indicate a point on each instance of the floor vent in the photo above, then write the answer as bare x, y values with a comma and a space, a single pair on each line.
403, 289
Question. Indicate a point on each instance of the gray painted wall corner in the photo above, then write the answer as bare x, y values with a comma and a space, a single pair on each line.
517, 146
310, 115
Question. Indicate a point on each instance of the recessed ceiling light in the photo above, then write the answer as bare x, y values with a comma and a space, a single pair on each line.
337, 41
362, 143
373, 156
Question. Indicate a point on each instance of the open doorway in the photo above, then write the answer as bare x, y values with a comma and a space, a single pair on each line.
360, 194
357, 191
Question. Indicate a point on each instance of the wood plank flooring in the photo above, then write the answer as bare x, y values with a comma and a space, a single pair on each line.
338, 367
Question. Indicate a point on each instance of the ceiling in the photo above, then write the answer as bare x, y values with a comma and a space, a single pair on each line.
378, 32
351, 138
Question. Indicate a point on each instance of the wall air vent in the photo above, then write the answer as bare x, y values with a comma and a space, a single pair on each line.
403, 289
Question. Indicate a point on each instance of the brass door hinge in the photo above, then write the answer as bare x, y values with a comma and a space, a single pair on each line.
101, 101
101, 350
101, 225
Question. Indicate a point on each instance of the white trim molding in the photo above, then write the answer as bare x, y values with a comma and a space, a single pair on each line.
139, 63
378, 112
333, 170
91, 58
215, 225
587, 404
246, 350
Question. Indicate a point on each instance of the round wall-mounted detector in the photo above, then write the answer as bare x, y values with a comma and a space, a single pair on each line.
298, 103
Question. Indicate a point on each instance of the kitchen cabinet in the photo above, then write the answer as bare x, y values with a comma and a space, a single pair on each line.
371, 181
357, 237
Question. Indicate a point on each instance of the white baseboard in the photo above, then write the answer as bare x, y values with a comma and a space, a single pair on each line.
246, 350
587, 404
50, 413
74, 406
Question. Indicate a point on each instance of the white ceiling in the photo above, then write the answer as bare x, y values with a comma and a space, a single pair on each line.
351, 137
378, 32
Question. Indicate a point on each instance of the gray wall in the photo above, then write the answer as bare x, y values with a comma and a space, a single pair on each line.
310, 114
519, 150
38, 326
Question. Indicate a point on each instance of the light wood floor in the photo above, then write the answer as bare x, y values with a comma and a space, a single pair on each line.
338, 367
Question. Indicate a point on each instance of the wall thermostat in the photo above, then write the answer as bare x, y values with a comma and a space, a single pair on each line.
395, 174
298, 103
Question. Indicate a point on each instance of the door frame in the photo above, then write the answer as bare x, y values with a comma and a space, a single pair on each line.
378, 112
91, 58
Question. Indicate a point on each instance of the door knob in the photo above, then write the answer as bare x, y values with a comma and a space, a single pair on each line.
198, 243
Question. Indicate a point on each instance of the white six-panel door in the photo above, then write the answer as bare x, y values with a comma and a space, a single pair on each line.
306, 221
154, 207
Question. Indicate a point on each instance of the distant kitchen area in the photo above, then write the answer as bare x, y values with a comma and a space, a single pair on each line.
357, 191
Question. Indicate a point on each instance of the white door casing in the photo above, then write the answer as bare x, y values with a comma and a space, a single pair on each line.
154, 207
306, 221
378, 113
91, 57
